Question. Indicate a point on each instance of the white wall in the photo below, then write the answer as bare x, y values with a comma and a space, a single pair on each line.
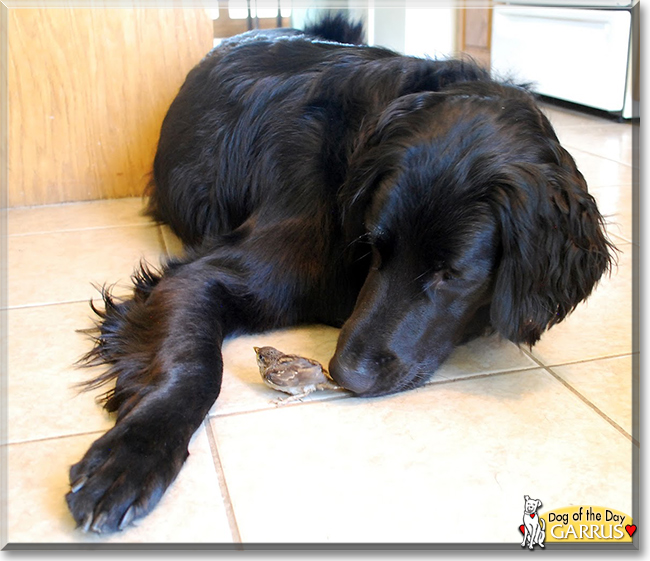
414, 31
430, 32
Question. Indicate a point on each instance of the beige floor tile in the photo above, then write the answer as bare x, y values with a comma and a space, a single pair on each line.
173, 245
486, 355
42, 400
608, 140
61, 266
562, 117
76, 216
606, 383
191, 511
615, 204
413, 467
601, 172
243, 389
599, 327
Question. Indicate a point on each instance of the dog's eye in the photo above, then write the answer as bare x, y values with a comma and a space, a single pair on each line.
441, 278
447, 275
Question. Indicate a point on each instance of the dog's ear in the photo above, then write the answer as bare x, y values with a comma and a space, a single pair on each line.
526, 497
539, 503
553, 246
378, 153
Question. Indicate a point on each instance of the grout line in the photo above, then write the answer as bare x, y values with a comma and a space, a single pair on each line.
560, 128
482, 375
42, 305
47, 304
612, 185
580, 360
118, 294
593, 406
595, 124
620, 236
348, 395
569, 146
223, 486
86, 229
86, 202
584, 399
622, 239
51, 438
433, 382
264, 409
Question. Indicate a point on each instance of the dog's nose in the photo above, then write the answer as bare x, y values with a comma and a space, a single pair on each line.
356, 379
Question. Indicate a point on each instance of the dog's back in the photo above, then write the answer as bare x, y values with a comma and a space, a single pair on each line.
270, 119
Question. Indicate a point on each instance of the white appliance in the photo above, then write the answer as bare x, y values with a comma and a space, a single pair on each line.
581, 55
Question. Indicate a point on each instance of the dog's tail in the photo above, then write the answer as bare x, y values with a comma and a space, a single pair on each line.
338, 28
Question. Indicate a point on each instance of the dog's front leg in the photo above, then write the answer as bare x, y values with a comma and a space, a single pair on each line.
526, 536
164, 351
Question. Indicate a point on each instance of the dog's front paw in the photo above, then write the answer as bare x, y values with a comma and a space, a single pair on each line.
121, 478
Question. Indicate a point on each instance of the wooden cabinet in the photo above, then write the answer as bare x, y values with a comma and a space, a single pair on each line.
87, 91
474, 31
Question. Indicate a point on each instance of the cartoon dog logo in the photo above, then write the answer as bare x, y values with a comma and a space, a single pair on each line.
534, 528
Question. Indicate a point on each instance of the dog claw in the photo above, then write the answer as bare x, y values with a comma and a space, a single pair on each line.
78, 484
85, 526
128, 517
99, 522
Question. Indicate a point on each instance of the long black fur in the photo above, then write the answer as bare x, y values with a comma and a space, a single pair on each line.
416, 203
338, 28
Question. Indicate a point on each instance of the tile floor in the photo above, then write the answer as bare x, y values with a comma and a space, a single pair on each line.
497, 422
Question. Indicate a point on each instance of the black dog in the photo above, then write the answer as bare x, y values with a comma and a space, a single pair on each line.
415, 203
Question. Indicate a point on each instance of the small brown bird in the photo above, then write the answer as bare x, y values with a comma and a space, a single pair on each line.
292, 374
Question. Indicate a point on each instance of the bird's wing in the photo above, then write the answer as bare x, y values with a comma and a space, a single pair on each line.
282, 377
296, 374
299, 361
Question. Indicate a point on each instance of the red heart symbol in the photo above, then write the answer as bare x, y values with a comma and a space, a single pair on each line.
532, 516
630, 529
521, 529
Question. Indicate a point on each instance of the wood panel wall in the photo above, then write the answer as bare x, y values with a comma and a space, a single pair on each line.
88, 89
474, 32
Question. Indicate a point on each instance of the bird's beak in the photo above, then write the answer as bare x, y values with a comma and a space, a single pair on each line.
256, 349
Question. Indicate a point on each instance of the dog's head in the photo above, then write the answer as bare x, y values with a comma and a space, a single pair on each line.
476, 219
531, 505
